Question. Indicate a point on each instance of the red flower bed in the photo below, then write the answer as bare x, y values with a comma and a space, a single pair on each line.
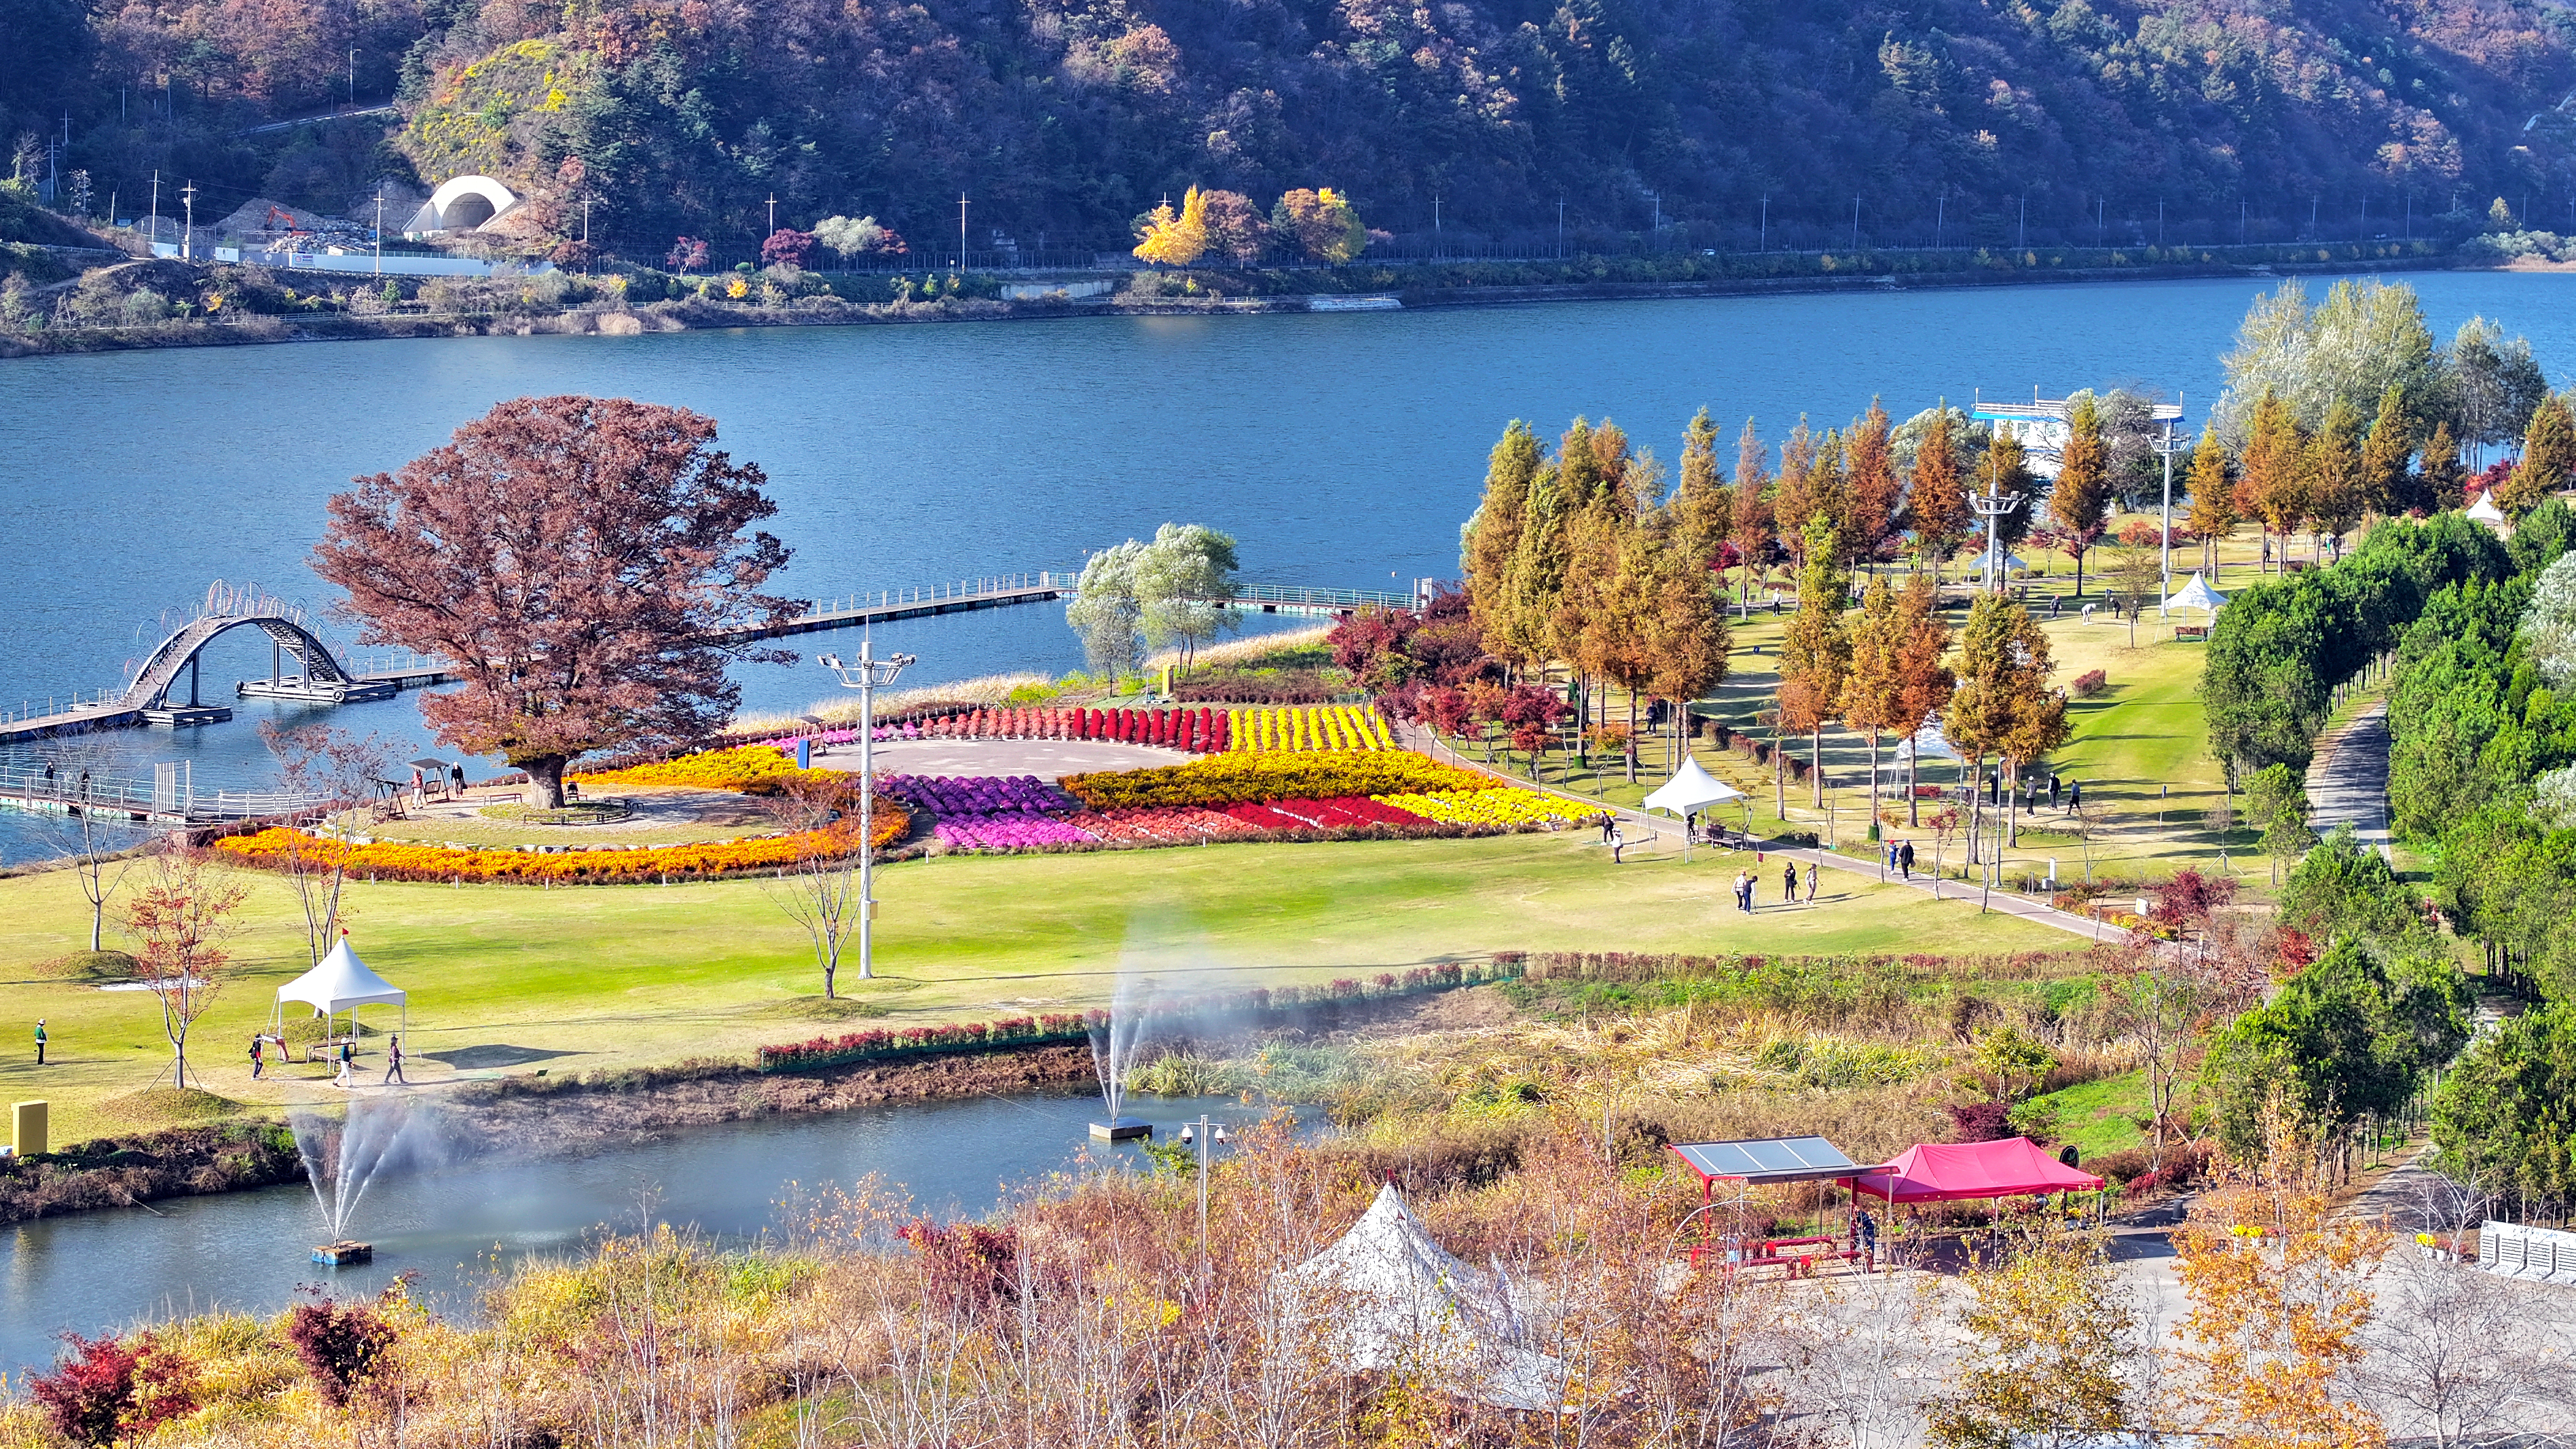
1337, 813
1162, 824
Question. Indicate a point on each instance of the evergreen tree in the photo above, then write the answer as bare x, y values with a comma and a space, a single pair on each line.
2385, 488
1872, 493
2082, 496
1537, 577
1935, 505
1493, 534
2213, 497
1793, 498
2440, 477
2548, 458
1815, 650
1829, 494
2335, 486
1753, 527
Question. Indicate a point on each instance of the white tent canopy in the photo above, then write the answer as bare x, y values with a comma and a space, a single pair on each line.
2485, 510
1396, 1297
2197, 595
1691, 790
341, 983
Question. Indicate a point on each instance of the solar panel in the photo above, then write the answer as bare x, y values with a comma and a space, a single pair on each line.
1768, 1159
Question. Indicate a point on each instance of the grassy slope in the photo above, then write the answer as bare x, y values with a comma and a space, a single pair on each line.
620, 975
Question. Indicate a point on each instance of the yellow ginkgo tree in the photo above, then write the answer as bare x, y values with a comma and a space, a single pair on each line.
1175, 241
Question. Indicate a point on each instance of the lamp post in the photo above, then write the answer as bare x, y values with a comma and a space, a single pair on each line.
1992, 508
1204, 1133
866, 675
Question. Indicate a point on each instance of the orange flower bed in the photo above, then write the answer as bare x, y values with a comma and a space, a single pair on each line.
401, 860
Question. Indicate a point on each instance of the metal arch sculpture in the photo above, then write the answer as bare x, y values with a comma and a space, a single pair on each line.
227, 608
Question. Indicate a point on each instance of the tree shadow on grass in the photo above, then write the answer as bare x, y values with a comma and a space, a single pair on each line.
475, 1058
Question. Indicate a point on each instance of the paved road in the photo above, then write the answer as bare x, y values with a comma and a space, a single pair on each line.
2348, 780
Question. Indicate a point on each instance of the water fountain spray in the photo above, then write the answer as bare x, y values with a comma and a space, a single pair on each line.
379, 1134
1113, 1051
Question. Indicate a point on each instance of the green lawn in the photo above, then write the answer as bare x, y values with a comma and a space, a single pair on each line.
2102, 1116
517, 978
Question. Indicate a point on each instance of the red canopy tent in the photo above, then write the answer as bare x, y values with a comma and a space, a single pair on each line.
1944, 1171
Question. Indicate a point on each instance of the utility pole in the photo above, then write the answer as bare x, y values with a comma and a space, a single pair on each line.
585, 218
1855, 246
2365, 218
2166, 450
2240, 223
1940, 217
1763, 243
188, 236
353, 78
156, 206
2160, 223
2021, 238
2099, 236
773, 212
1560, 228
380, 229
961, 233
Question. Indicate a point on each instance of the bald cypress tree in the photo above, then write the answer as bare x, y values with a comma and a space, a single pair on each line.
2548, 458
2212, 516
1493, 533
1702, 512
2385, 487
1936, 506
2440, 478
2082, 494
1753, 525
1815, 650
1871, 490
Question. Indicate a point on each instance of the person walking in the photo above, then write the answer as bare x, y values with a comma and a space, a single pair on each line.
456, 777
258, 1058
2074, 797
394, 1061
419, 788
1811, 882
1744, 891
40, 1041
2055, 787
1905, 859
1789, 883
347, 1076
1618, 844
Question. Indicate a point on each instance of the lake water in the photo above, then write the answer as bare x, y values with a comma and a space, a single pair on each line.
1342, 450
458, 1229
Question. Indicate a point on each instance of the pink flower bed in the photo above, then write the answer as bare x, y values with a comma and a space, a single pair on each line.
1026, 830
1200, 730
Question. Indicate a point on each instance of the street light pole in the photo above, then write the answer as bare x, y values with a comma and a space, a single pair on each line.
866, 675
1207, 1134
1992, 509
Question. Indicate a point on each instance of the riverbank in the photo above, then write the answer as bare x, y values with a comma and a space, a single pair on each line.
1139, 294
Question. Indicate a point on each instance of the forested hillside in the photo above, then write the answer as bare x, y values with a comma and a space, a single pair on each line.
1064, 119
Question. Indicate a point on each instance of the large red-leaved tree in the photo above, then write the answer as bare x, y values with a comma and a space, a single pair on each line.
578, 561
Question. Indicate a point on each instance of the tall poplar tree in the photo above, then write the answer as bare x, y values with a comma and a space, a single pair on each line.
2082, 495
1871, 490
1537, 575
1686, 639
1815, 651
2212, 516
1753, 525
1793, 498
1935, 505
2385, 488
1493, 534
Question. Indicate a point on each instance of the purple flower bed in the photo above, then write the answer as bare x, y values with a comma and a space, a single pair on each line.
1009, 831
956, 796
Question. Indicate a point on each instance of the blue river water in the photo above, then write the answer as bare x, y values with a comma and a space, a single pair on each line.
1342, 450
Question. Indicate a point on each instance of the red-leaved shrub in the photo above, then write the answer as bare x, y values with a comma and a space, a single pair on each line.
340, 1346
108, 1390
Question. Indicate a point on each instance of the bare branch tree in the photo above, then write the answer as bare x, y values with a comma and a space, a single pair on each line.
179, 917
2455, 1356
1860, 1357
101, 851
336, 770
819, 890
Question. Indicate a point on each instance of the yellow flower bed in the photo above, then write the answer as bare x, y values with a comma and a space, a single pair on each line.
1237, 777
407, 860
733, 769
1309, 729
1498, 805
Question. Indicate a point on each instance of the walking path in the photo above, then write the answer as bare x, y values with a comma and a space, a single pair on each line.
1639, 826
2348, 780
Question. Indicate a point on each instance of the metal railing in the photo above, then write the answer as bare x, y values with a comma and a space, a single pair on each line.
1323, 598
31, 783
976, 588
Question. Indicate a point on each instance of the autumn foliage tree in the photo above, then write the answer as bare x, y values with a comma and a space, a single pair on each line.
178, 919
2212, 515
2272, 481
1815, 651
1175, 240
2082, 495
1871, 489
1751, 524
2279, 1295
1936, 505
577, 561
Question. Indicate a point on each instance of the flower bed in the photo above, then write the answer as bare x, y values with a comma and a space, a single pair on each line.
1500, 805
1013, 830
1348, 812
1199, 731
1241, 777
1161, 825
730, 769
401, 860
1305, 729
1269, 1005
955, 795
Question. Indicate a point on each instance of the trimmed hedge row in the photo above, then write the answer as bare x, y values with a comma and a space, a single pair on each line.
1260, 1004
